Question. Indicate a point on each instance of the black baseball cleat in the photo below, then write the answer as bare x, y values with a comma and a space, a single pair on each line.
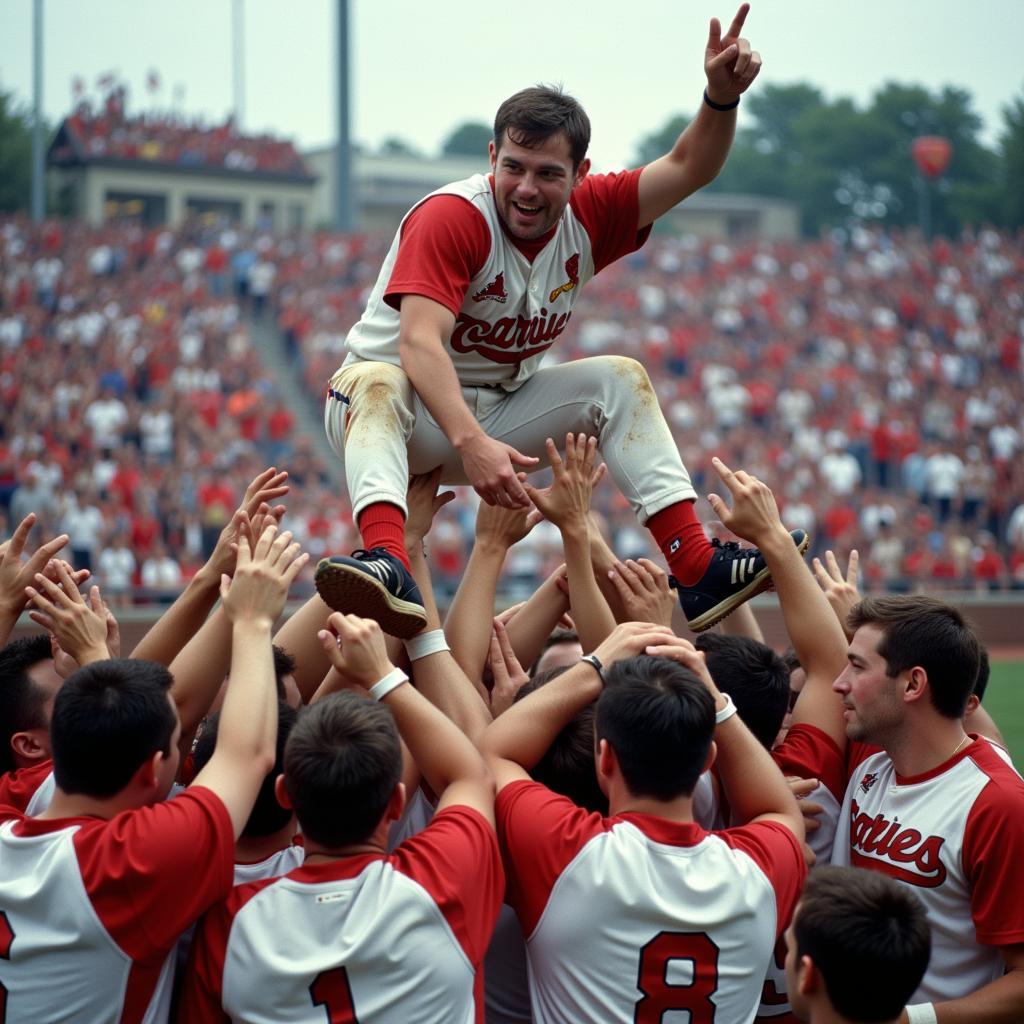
734, 575
375, 585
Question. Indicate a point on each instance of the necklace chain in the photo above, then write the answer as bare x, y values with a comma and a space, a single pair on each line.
956, 749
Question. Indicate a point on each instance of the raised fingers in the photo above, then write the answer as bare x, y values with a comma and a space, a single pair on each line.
851, 568
737, 22
16, 544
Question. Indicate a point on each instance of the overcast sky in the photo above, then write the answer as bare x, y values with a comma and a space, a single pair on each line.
418, 69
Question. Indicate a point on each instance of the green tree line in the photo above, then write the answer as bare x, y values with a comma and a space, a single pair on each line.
840, 163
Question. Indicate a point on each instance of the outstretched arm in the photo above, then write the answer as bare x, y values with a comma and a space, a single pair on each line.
813, 629
247, 734
448, 760
700, 152
566, 503
515, 741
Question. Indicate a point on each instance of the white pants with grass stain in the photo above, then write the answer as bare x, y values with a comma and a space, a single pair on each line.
382, 430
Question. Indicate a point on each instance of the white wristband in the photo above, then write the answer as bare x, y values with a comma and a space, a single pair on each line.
391, 681
727, 712
922, 1013
422, 645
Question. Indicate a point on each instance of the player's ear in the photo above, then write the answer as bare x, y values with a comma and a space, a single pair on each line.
807, 978
581, 172
712, 754
492, 152
30, 747
915, 686
281, 793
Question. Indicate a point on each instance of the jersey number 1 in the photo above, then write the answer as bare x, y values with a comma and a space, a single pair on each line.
331, 990
659, 996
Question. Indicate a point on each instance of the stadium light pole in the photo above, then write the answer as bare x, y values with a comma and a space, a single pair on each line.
38, 170
238, 39
344, 211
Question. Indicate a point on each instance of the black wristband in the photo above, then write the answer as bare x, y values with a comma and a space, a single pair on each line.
594, 661
720, 106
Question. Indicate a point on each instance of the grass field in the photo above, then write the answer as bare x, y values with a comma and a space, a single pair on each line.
1004, 700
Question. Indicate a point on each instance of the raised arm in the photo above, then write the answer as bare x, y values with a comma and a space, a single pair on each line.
566, 503
489, 464
515, 741
532, 624
17, 574
813, 629
699, 153
247, 735
172, 631
448, 760
468, 623
78, 626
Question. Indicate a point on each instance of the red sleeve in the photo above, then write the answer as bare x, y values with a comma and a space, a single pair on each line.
540, 833
203, 985
993, 852
151, 872
779, 854
810, 753
444, 243
18, 788
456, 859
608, 206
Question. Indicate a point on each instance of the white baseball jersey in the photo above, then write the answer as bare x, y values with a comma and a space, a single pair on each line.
278, 863
632, 917
514, 309
807, 753
90, 910
366, 938
956, 836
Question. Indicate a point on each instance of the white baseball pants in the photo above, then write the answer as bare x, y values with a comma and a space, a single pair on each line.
378, 425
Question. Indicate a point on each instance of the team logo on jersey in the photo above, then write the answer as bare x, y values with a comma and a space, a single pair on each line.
510, 339
889, 846
674, 546
870, 778
572, 268
495, 291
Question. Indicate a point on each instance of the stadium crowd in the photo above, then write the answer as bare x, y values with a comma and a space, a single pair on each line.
110, 132
876, 383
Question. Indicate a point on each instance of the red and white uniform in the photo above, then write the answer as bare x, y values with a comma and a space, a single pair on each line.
370, 937
511, 298
630, 917
90, 910
807, 753
956, 836
25, 789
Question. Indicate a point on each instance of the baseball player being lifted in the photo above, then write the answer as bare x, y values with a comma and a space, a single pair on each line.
443, 369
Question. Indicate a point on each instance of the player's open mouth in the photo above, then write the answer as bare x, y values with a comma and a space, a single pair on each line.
527, 211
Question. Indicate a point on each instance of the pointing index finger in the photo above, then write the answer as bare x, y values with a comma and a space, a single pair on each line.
737, 23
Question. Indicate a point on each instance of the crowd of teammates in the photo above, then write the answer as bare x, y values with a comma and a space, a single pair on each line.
564, 812
876, 383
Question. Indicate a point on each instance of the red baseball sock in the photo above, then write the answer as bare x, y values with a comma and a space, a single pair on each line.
383, 526
680, 535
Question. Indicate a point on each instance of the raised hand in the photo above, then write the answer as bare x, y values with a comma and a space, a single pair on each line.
643, 589
631, 638
566, 502
841, 591
15, 573
356, 648
264, 572
256, 508
507, 673
423, 503
729, 62
754, 514
79, 627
